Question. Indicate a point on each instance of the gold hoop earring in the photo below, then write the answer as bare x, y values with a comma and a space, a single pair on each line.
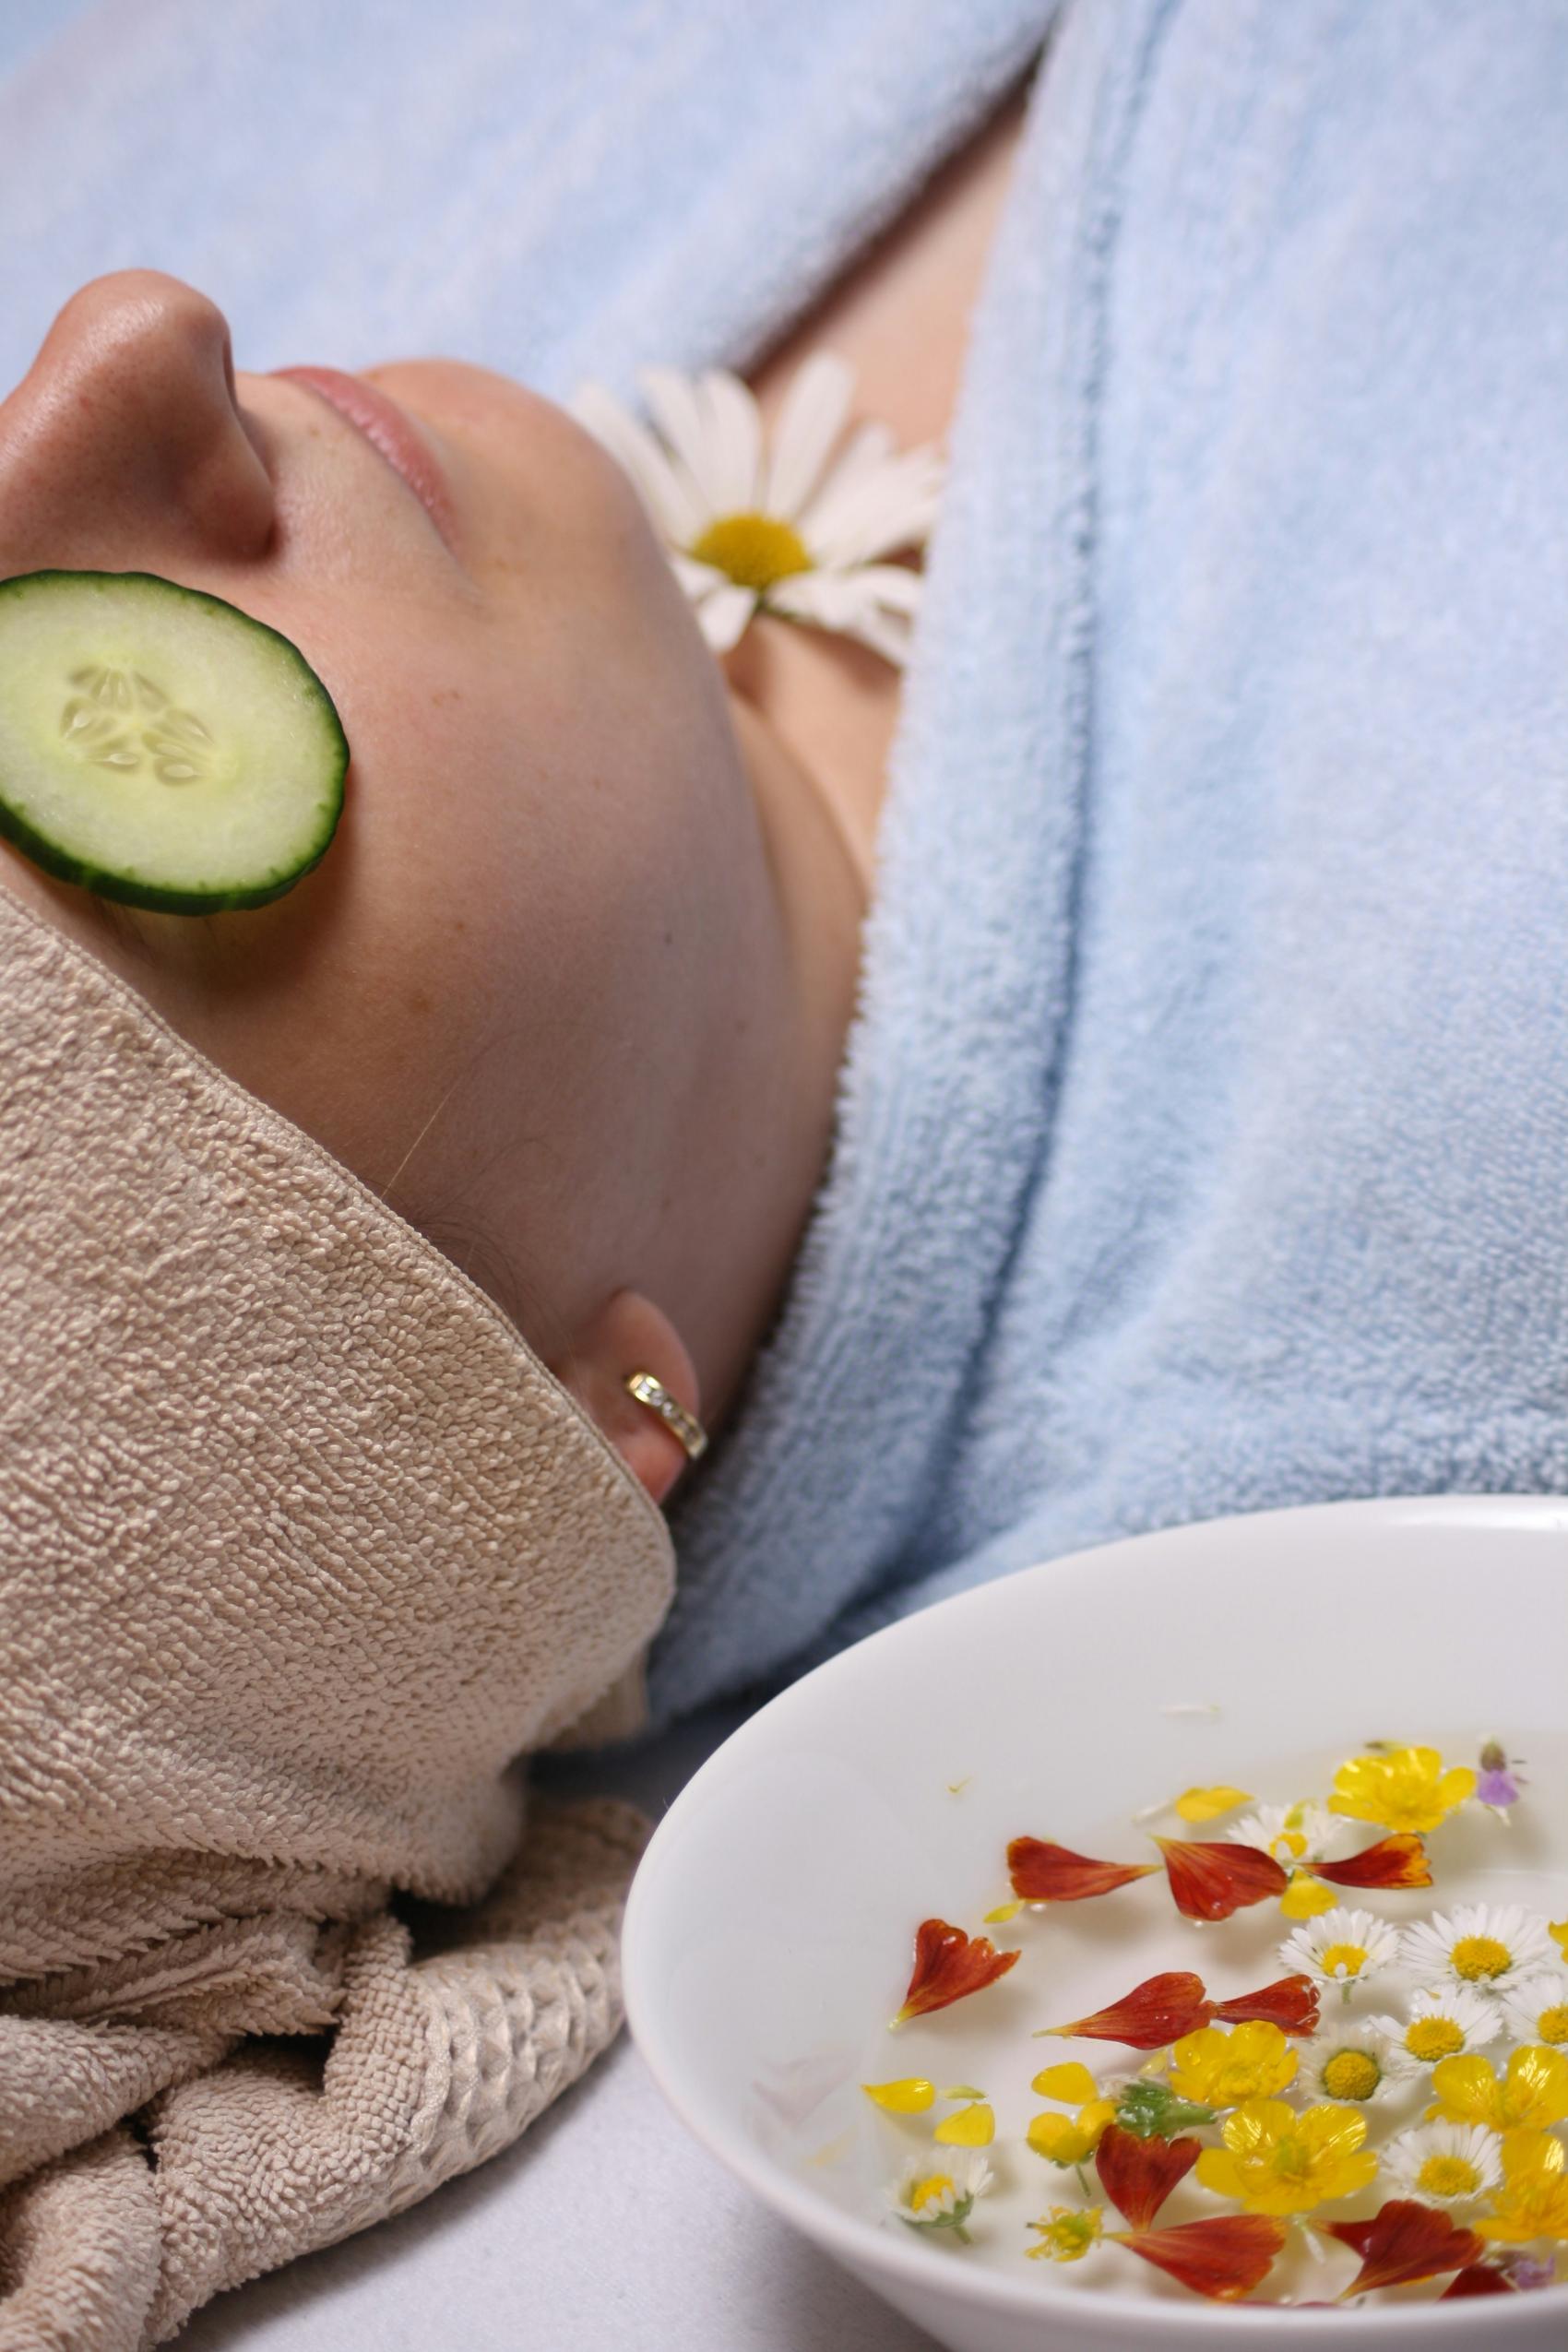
657, 1397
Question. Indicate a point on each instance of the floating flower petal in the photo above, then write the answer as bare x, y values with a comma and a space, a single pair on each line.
1209, 1880
1404, 2241
1276, 2161
1220, 2068
1476, 2278
910, 2095
1223, 2258
1532, 2094
1071, 2082
1487, 1945
1443, 2023
1341, 1947
1306, 1898
973, 2127
1534, 2200
1156, 2011
1537, 2007
1069, 2139
1399, 1861
1445, 2164
1291, 1834
1291, 2003
1403, 1788
1498, 1783
1208, 1804
1045, 1873
948, 1966
1068, 2233
1558, 1931
1138, 2175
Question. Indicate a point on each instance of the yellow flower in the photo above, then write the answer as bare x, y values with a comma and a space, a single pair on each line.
1070, 2081
1068, 2233
1220, 2069
1530, 2096
1533, 2201
911, 2094
973, 2127
1405, 1790
1208, 1804
1558, 1931
1276, 2161
1068, 2140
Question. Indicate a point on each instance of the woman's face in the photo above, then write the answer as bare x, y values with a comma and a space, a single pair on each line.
567, 989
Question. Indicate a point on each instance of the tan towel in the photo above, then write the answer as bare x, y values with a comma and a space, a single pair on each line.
301, 1546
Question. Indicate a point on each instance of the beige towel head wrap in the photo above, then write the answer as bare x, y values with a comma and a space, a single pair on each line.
300, 1545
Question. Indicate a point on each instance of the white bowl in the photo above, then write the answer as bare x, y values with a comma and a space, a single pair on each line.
768, 1932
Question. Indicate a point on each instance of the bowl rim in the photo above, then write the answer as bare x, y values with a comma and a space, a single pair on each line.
862, 2244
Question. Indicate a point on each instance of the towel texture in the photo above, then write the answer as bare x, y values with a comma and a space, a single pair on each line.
1204, 1137
300, 1548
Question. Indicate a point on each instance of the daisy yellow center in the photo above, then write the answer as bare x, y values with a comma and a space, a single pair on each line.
753, 550
1351, 2075
1448, 2176
1344, 1959
1431, 2038
926, 2191
1479, 1957
1551, 2026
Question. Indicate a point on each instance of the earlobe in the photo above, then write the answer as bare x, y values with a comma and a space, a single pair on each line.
630, 1334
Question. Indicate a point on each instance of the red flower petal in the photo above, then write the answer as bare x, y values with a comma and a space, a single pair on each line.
1213, 1878
1393, 1861
1476, 2278
1047, 1873
1404, 2241
1223, 2258
1159, 2011
1138, 2175
948, 1964
1291, 2003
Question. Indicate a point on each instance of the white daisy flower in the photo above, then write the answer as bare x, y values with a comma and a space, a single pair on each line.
1444, 2023
1537, 2008
937, 2190
1294, 1835
1445, 2164
1340, 1947
747, 527
1491, 1947
1355, 2063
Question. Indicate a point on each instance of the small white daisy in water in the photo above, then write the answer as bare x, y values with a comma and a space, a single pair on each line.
1341, 1947
1355, 2063
1292, 1833
1537, 2008
938, 2191
1491, 1947
748, 528
1444, 2022
1445, 2164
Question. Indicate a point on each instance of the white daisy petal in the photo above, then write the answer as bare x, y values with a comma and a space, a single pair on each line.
1491, 1947
698, 579
842, 601
723, 615
1355, 2064
1537, 2008
1292, 1833
1445, 2022
885, 633
675, 405
734, 425
666, 492
1445, 2164
893, 586
868, 449
809, 421
892, 508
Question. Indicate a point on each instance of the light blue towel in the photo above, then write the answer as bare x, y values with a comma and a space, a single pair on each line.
1202, 1139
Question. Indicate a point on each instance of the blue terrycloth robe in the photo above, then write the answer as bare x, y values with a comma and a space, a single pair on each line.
1202, 1133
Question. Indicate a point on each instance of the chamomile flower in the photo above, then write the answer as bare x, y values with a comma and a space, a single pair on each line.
1445, 2164
749, 528
1343, 1947
1537, 2008
1292, 1833
937, 2190
1444, 2023
1355, 2063
1491, 1947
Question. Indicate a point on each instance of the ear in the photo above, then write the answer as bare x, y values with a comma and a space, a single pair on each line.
630, 1334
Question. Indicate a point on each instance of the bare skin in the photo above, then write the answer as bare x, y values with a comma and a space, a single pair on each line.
577, 970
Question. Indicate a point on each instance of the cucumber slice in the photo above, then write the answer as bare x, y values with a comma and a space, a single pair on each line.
159, 746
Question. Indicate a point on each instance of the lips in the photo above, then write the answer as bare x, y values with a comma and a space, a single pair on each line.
391, 433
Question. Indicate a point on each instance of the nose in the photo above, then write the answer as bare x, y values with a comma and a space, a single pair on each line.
124, 440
